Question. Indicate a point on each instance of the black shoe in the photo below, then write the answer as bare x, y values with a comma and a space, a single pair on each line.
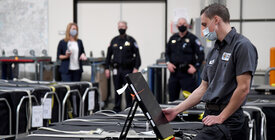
116, 109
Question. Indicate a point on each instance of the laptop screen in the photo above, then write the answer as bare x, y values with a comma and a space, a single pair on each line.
149, 105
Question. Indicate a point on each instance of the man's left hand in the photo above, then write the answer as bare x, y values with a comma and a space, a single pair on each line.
211, 119
191, 69
135, 70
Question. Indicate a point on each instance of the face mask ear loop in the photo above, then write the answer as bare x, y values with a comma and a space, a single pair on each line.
215, 25
210, 24
208, 27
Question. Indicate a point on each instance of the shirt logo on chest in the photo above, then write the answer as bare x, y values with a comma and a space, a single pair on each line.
226, 56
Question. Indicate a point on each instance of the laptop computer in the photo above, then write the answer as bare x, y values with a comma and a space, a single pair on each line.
149, 105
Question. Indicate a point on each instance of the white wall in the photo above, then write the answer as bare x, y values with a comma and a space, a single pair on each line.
193, 8
234, 10
23, 26
95, 15
60, 14
261, 34
98, 25
147, 26
258, 9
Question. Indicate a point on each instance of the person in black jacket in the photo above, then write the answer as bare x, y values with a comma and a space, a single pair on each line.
71, 51
184, 56
123, 57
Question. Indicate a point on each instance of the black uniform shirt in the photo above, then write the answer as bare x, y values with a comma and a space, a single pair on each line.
228, 59
186, 50
124, 51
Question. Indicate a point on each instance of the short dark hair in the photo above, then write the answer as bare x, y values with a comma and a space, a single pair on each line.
216, 9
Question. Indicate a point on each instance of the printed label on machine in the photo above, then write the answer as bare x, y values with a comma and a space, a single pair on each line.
47, 108
37, 116
91, 100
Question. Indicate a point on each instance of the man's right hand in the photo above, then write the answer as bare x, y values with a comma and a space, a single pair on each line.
107, 73
170, 113
171, 67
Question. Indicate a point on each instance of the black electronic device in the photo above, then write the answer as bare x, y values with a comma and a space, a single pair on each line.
150, 107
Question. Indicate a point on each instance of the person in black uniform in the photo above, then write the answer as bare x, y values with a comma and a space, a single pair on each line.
184, 55
226, 79
123, 57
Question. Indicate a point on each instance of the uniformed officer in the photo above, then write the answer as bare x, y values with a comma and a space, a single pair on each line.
226, 79
123, 57
184, 55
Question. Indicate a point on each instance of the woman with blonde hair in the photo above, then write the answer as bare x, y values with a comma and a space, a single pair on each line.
71, 53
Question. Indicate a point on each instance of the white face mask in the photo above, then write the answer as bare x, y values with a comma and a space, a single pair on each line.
73, 32
212, 36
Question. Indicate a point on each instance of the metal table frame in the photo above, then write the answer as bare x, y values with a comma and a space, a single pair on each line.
24, 59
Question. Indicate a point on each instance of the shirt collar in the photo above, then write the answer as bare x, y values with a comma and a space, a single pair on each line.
122, 37
227, 40
186, 35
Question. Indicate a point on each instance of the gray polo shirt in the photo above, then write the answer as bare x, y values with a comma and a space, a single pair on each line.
228, 59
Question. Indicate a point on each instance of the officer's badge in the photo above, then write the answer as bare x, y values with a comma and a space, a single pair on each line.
198, 42
127, 43
226, 56
114, 71
120, 47
135, 43
115, 45
184, 45
201, 48
187, 40
174, 41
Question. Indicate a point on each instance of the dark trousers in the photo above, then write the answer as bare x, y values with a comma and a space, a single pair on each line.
234, 128
119, 80
8, 71
71, 76
180, 80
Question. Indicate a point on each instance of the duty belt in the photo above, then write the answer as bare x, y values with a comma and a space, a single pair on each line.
124, 66
214, 107
182, 67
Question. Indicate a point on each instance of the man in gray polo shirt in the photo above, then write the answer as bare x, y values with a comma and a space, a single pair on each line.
226, 78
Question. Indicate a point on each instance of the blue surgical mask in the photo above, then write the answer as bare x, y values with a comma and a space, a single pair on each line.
73, 32
212, 36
